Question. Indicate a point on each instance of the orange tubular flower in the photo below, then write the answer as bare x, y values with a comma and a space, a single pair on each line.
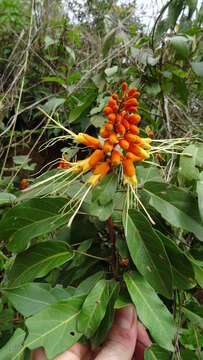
113, 139
88, 140
124, 144
107, 110
104, 133
24, 183
109, 127
115, 158
124, 88
97, 156
108, 147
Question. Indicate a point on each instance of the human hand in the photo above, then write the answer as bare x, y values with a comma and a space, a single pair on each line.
126, 340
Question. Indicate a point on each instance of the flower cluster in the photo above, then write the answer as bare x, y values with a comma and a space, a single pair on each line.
120, 142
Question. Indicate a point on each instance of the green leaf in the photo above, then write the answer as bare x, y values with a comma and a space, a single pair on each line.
93, 309
13, 346
31, 219
153, 89
102, 212
183, 274
53, 103
150, 173
111, 71
54, 327
77, 111
192, 6
98, 121
105, 190
30, 298
194, 313
200, 194
71, 53
181, 45
174, 11
148, 253
187, 167
198, 274
86, 285
177, 206
151, 311
197, 67
107, 321
7, 198
37, 261
155, 352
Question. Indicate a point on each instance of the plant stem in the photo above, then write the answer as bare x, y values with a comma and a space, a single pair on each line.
114, 262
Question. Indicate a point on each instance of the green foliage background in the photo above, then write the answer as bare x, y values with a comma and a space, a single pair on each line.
69, 66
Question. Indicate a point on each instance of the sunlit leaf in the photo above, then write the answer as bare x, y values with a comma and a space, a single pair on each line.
13, 346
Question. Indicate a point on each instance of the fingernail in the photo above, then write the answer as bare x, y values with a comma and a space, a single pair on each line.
124, 317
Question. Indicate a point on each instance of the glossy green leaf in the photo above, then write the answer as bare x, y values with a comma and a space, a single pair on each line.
106, 323
86, 285
54, 102
105, 190
148, 253
93, 309
13, 346
197, 67
183, 274
6, 198
145, 174
77, 111
103, 212
181, 45
54, 327
200, 195
111, 71
174, 11
151, 311
187, 165
194, 313
30, 298
155, 352
198, 274
176, 205
37, 261
31, 219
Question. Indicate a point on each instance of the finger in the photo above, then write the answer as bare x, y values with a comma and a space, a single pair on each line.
38, 354
143, 341
121, 340
76, 352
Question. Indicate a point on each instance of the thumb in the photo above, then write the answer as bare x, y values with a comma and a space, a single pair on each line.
121, 340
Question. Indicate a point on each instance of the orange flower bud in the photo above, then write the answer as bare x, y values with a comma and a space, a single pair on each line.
107, 110
137, 94
97, 156
132, 109
132, 92
102, 169
124, 144
118, 118
134, 118
128, 167
24, 182
108, 147
120, 129
112, 103
123, 113
109, 127
112, 117
131, 102
113, 139
125, 124
88, 140
159, 157
115, 97
133, 157
149, 132
134, 129
137, 150
104, 133
115, 109
115, 158
131, 138
124, 88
